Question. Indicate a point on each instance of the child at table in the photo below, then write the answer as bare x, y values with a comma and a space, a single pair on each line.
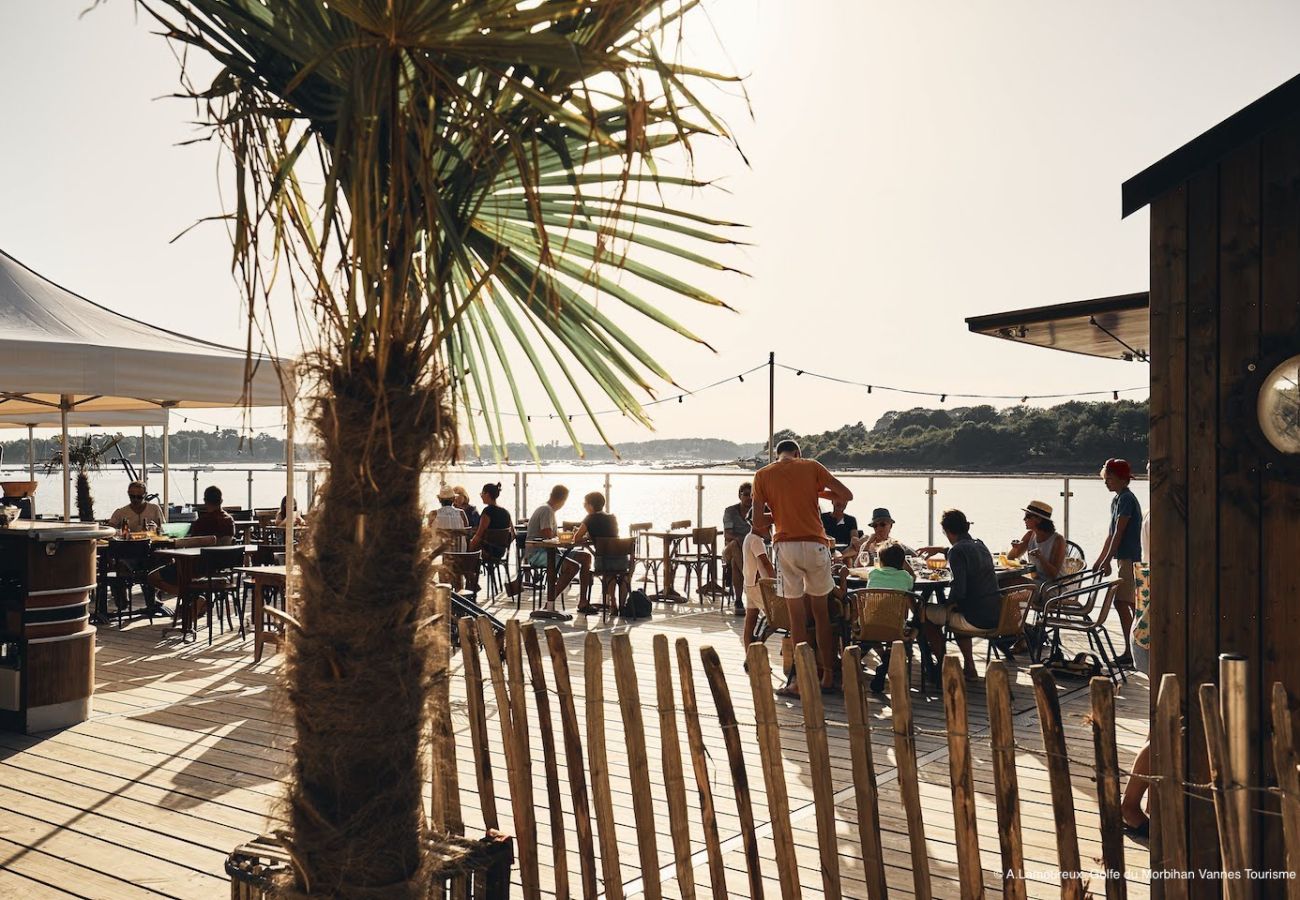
893, 573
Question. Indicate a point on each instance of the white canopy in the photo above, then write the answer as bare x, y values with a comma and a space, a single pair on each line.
109, 420
56, 344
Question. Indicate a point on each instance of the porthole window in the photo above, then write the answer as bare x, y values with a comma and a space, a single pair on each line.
1278, 407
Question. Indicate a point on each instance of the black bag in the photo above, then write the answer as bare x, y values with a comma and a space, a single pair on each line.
636, 606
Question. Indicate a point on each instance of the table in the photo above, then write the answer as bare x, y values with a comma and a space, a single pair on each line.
102, 615
552, 548
264, 577
185, 558
668, 594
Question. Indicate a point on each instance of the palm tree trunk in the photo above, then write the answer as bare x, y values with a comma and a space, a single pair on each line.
85, 501
358, 672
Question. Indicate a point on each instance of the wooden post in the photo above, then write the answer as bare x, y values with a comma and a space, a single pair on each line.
769, 750
1232, 831
1112, 822
1058, 772
524, 804
965, 821
857, 705
1288, 780
1169, 819
700, 765
444, 786
1005, 785
1235, 707
905, 754
598, 763
736, 759
674, 781
478, 723
573, 760
819, 764
638, 763
538, 680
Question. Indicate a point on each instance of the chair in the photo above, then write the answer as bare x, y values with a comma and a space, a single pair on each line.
215, 581
881, 618
1075, 559
127, 564
773, 613
612, 564
1016, 602
702, 556
1084, 610
495, 554
462, 568
649, 562
266, 554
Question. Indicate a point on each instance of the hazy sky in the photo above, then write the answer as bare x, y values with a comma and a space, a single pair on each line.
912, 165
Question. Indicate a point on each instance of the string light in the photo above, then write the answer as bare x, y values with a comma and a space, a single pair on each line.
943, 398
943, 395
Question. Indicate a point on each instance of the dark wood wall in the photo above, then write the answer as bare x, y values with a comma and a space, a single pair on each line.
1225, 301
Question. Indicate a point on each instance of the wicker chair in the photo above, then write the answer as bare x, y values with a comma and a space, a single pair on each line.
1016, 601
880, 619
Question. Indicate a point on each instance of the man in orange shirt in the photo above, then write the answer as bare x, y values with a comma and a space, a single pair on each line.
786, 493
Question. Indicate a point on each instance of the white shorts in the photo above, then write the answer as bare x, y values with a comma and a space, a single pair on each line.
802, 568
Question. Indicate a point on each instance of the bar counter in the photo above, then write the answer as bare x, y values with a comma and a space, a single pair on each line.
47, 645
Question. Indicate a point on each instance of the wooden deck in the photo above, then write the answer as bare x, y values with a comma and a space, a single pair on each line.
183, 757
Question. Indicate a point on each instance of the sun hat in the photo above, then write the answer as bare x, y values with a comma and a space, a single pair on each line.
1039, 508
447, 492
881, 513
1119, 468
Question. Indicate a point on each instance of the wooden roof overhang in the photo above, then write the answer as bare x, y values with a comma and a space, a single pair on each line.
1108, 327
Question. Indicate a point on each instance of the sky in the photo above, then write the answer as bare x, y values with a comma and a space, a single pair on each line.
910, 165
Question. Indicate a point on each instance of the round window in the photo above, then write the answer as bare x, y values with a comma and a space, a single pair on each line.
1278, 407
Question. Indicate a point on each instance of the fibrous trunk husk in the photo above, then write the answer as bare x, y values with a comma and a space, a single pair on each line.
358, 672
85, 502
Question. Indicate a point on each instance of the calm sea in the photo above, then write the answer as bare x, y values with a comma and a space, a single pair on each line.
642, 493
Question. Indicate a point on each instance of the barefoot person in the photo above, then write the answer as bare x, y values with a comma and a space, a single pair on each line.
543, 527
785, 495
1123, 544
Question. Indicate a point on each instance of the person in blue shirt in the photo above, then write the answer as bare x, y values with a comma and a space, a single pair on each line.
1123, 544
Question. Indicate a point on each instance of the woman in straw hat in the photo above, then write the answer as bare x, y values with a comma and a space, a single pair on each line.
1042, 545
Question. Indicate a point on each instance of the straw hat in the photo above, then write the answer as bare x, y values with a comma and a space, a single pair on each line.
446, 492
1040, 509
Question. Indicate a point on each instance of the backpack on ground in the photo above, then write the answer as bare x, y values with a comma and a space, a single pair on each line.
636, 606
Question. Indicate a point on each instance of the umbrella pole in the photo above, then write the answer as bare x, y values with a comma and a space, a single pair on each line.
144, 467
31, 453
64, 402
166, 461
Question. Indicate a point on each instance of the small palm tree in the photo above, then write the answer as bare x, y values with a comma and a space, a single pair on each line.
445, 187
85, 458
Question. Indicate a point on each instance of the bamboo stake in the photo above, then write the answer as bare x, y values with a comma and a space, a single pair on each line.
1112, 822
1058, 771
1169, 820
819, 764
700, 765
674, 781
858, 707
905, 754
538, 680
1006, 786
444, 787
525, 809
736, 759
1232, 831
573, 761
769, 749
629, 702
599, 765
1288, 779
478, 723
965, 821
1234, 703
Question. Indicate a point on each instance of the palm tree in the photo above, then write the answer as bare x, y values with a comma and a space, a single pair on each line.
85, 457
445, 186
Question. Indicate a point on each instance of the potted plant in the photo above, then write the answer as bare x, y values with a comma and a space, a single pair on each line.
85, 457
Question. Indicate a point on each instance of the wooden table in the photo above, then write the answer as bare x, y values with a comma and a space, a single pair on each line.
264, 577
184, 558
668, 593
553, 548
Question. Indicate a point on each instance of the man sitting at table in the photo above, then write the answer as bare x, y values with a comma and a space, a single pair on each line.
973, 600
840, 526
137, 511
882, 528
542, 527
212, 528
735, 525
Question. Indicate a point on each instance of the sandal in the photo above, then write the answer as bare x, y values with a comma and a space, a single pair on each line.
1139, 832
788, 691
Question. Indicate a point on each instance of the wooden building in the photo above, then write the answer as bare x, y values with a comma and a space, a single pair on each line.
1223, 343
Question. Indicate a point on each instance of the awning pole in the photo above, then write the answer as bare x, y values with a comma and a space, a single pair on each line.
288, 503
64, 402
31, 453
144, 463
166, 458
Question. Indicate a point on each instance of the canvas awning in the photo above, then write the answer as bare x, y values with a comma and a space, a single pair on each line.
1109, 327
108, 420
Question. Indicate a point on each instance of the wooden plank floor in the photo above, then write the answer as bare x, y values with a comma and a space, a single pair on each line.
183, 757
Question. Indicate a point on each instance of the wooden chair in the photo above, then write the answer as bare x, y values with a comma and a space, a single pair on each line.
612, 564
461, 569
495, 555
701, 557
649, 562
881, 617
215, 581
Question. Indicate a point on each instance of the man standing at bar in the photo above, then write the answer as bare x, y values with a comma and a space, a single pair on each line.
786, 494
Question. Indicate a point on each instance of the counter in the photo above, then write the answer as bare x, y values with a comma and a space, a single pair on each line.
47, 646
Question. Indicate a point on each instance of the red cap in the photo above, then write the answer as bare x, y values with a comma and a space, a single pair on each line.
1120, 468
